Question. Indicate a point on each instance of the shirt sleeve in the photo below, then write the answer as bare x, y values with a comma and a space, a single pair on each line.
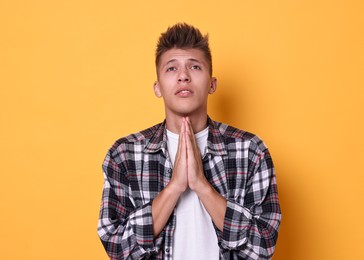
125, 231
251, 223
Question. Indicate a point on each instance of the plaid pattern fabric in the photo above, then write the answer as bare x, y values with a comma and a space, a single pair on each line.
236, 163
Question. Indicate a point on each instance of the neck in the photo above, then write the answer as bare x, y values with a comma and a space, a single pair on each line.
199, 122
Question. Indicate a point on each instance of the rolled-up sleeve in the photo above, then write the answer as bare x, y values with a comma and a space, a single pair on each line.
125, 231
251, 223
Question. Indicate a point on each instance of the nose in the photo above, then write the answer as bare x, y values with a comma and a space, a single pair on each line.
184, 76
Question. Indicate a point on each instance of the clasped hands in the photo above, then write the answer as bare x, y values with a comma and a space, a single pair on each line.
187, 173
188, 170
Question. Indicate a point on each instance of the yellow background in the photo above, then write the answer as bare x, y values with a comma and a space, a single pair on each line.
77, 75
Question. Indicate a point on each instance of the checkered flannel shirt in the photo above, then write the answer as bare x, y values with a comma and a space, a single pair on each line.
236, 163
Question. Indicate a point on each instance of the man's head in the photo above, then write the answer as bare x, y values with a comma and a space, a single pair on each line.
184, 72
183, 36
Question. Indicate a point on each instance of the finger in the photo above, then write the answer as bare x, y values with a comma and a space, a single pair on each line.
189, 125
187, 132
189, 129
183, 133
183, 151
180, 139
192, 136
179, 143
184, 124
189, 145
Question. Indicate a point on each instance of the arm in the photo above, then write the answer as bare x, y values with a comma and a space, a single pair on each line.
125, 231
214, 203
248, 222
165, 202
251, 223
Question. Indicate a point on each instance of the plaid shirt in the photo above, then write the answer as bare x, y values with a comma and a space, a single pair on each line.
236, 163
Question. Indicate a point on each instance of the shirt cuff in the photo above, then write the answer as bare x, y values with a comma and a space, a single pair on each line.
141, 222
236, 226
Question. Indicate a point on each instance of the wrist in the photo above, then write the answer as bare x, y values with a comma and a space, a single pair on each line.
174, 189
202, 186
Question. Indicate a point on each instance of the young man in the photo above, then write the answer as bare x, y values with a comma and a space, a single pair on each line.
190, 187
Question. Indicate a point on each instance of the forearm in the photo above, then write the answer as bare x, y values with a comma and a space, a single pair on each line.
253, 232
125, 232
162, 207
164, 204
214, 203
252, 222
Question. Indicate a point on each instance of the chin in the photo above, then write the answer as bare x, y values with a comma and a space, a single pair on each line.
186, 111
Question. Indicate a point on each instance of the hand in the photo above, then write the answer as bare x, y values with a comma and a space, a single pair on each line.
165, 202
188, 172
214, 203
188, 169
196, 177
179, 180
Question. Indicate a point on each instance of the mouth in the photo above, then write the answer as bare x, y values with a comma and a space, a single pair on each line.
184, 92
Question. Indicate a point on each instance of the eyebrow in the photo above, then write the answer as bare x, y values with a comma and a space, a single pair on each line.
190, 59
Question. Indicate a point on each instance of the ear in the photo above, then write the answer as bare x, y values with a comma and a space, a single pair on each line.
157, 90
213, 85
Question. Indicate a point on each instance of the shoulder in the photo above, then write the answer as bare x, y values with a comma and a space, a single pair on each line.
235, 135
135, 141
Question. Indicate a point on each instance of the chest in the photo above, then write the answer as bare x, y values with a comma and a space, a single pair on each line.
152, 172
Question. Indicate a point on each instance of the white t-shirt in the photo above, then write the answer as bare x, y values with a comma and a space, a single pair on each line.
194, 236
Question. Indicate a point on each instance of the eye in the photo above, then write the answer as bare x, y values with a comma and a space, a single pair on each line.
171, 69
196, 67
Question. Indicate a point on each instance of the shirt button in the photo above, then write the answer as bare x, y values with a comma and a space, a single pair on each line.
169, 171
167, 250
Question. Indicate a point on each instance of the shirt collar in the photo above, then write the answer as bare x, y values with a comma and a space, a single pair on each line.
158, 141
215, 139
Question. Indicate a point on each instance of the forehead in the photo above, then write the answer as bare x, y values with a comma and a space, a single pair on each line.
176, 55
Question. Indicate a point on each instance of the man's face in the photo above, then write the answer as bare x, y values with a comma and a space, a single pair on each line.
184, 82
